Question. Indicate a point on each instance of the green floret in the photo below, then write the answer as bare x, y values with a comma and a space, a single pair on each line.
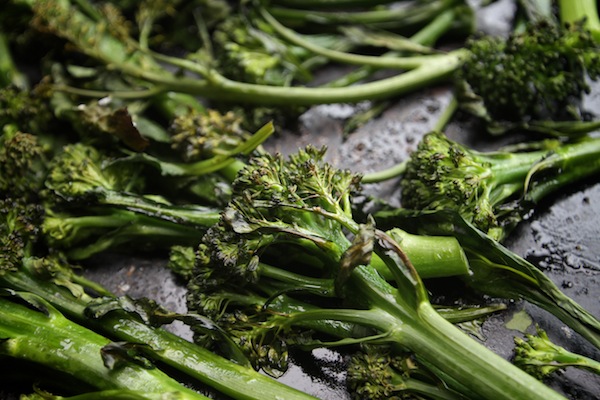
27, 109
23, 163
83, 175
82, 171
540, 357
376, 373
492, 190
305, 203
204, 134
535, 79
23, 269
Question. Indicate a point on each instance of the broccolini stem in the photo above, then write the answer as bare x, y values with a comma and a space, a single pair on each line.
453, 353
388, 18
437, 69
219, 373
330, 3
157, 232
349, 58
573, 11
46, 337
298, 282
575, 162
199, 216
427, 36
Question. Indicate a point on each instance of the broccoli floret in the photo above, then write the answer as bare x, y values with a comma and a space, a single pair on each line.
26, 268
304, 202
491, 190
375, 372
535, 79
23, 163
540, 357
201, 135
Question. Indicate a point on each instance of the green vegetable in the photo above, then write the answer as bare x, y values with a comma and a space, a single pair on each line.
113, 47
376, 373
534, 80
497, 271
492, 190
53, 280
38, 333
305, 202
541, 358
577, 11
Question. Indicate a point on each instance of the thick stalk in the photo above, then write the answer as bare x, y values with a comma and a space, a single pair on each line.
443, 347
572, 11
219, 373
51, 340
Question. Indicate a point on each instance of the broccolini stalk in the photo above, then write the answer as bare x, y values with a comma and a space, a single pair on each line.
54, 281
409, 17
82, 236
541, 358
39, 333
492, 190
307, 203
497, 271
121, 53
577, 11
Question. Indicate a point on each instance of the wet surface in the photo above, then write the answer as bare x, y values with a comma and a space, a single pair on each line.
562, 237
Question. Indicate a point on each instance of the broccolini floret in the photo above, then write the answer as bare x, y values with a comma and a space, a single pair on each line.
535, 79
27, 268
540, 357
492, 190
377, 373
306, 202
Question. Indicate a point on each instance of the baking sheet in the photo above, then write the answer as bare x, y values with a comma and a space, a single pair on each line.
562, 236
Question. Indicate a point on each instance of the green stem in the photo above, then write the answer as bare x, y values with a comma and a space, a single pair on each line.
348, 58
388, 18
385, 174
51, 340
219, 373
573, 11
427, 36
197, 215
160, 233
575, 162
443, 347
437, 69
310, 4
298, 281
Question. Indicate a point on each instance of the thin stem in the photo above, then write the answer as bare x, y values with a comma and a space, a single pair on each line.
349, 58
385, 174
